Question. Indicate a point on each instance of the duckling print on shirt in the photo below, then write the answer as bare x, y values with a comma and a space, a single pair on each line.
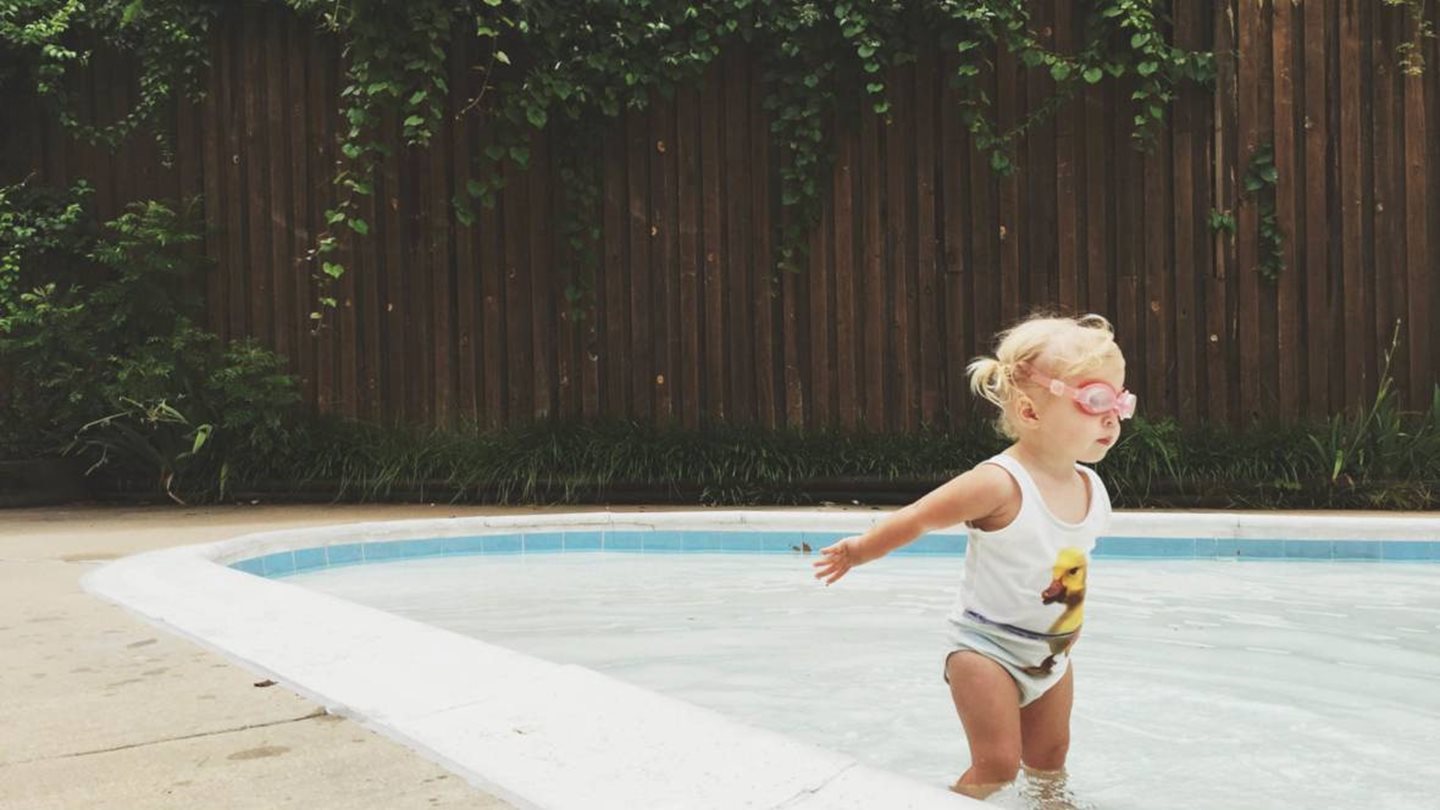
1068, 588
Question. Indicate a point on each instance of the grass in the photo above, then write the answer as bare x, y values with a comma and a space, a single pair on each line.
1379, 457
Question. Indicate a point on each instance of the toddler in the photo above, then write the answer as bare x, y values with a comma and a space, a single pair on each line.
1033, 514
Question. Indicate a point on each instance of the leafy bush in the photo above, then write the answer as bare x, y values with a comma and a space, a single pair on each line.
106, 361
40, 227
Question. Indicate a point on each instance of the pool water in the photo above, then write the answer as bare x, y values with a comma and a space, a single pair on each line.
1200, 683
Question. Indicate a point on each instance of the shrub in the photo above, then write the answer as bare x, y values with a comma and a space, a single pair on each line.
105, 358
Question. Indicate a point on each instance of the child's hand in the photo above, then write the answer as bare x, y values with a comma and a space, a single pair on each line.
837, 559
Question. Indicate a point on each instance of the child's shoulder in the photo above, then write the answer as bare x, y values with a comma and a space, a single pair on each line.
994, 480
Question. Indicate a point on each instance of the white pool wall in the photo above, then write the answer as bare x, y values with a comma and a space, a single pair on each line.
541, 734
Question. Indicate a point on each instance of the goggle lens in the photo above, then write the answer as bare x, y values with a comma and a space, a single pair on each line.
1098, 398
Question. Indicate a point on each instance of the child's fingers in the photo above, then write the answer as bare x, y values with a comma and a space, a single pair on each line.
833, 563
831, 572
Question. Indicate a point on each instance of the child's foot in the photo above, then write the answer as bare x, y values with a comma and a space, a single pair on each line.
1047, 790
976, 790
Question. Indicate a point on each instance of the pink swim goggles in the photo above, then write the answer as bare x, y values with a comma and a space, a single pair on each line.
1094, 398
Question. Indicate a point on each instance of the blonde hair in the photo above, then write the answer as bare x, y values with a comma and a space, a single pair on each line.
1059, 346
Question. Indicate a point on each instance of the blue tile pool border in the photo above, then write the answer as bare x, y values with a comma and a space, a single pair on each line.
289, 562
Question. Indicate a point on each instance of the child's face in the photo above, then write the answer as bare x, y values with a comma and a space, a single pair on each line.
1064, 426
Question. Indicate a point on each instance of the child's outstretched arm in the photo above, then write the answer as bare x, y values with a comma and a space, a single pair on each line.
973, 495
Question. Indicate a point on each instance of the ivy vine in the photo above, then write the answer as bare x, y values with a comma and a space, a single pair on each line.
1412, 50
567, 67
167, 39
1259, 181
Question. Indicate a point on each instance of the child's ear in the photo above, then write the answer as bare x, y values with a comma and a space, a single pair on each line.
1025, 409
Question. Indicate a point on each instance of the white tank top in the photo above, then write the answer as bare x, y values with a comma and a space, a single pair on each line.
1028, 578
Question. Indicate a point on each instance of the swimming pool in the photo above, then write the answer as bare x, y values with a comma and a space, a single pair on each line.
1206, 659
548, 733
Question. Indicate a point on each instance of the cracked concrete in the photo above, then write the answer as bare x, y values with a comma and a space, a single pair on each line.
99, 709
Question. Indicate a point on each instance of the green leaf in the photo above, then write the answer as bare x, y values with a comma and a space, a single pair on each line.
418, 96
414, 121
201, 434
1059, 71
475, 188
1093, 75
333, 269
502, 57
359, 226
536, 116
132, 10
1146, 68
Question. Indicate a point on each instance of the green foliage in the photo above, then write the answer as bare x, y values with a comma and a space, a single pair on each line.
1412, 50
199, 408
1380, 442
1259, 182
104, 359
1123, 38
1222, 221
46, 40
38, 226
1156, 464
570, 66
566, 462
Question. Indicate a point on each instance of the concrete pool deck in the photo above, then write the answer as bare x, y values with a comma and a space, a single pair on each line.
101, 709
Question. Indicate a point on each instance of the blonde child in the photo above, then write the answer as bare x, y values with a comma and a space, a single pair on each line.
1033, 515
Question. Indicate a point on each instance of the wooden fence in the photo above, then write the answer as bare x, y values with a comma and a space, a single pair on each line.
922, 254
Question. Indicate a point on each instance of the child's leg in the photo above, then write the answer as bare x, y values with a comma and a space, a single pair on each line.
1045, 726
987, 701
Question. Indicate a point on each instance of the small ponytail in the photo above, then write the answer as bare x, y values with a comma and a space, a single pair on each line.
991, 379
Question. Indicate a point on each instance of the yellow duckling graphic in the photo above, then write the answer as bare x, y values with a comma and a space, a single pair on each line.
1067, 587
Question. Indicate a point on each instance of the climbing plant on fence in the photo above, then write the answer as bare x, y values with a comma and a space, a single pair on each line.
566, 66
